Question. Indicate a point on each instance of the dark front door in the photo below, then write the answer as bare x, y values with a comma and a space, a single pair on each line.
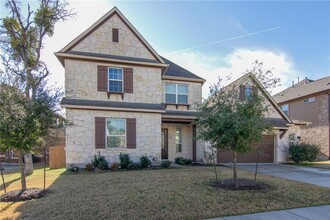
164, 144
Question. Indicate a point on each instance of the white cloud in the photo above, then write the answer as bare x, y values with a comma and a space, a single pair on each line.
236, 63
67, 31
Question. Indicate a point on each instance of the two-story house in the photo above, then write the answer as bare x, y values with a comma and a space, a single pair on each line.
121, 96
309, 100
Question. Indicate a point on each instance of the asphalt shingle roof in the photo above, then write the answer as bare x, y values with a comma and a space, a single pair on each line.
131, 105
181, 113
112, 56
277, 122
302, 89
178, 71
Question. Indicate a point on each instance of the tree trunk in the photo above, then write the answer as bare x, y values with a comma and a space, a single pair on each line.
22, 168
235, 170
256, 171
28, 165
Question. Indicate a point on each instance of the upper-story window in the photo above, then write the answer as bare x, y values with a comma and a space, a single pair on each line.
115, 79
285, 109
176, 93
248, 91
311, 99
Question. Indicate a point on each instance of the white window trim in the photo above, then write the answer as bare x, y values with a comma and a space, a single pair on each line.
180, 139
176, 93
124, 135
313, 99
122, 80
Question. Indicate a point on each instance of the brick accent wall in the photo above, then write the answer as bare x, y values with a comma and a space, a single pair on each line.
318, 135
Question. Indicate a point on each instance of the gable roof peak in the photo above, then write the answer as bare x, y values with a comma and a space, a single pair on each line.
101, 21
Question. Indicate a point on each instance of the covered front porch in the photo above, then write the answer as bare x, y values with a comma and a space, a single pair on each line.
178, 136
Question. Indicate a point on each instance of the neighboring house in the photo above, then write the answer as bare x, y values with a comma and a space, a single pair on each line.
273, 147
8, 157
121, 96
309, 100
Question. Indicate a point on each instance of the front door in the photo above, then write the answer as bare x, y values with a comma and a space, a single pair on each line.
164, 144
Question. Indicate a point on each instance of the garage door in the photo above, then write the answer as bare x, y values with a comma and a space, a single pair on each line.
266, 154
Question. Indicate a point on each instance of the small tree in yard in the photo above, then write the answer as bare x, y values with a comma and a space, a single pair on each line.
22, 36
23, 122
228, 123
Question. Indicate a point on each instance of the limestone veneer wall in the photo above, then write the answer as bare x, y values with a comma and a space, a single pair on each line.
100, 41
80, 137
187, 147
81, 83
194, 93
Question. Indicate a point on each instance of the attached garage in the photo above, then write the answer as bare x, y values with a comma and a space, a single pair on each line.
266, 154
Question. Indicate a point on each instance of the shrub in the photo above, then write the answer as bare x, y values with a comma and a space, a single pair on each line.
303, 152
89, 167
183, 161
114, 167
188, 161
145, 162
74, 169
133, 166
100, 162
179, 160
125, 160
165, 164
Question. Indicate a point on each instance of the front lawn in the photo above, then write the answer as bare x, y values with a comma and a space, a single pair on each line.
182, 193
316, 164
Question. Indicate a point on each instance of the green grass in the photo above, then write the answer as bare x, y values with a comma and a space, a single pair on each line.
317, 164
182, 193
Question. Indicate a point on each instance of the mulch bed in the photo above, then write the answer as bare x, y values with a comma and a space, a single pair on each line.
243, 184
18, 195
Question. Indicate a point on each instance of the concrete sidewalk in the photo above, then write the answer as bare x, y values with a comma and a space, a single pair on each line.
310, 213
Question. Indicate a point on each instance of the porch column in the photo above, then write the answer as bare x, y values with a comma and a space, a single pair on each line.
194, 142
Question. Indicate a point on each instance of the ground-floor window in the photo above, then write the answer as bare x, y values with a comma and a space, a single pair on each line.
178, 140
116, 132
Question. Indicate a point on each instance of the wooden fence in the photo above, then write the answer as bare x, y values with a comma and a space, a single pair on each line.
56, 157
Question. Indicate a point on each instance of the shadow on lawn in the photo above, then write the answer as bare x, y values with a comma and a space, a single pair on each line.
39, 208
8, 183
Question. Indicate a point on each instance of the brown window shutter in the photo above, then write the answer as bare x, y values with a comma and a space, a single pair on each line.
99, 132
254, 90
115, 35
242, 92
102, 78
131, 133
128, 80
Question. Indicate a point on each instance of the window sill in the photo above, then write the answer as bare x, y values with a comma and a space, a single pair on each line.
177, 105
115, 93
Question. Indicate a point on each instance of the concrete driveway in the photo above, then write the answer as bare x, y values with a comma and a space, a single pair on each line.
316, 176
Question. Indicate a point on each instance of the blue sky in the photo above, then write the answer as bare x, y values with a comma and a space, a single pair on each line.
298, 44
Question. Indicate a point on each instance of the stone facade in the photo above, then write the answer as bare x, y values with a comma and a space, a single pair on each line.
100, 41
80, 137
81, 83
282, 143
194, 94
187, 141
